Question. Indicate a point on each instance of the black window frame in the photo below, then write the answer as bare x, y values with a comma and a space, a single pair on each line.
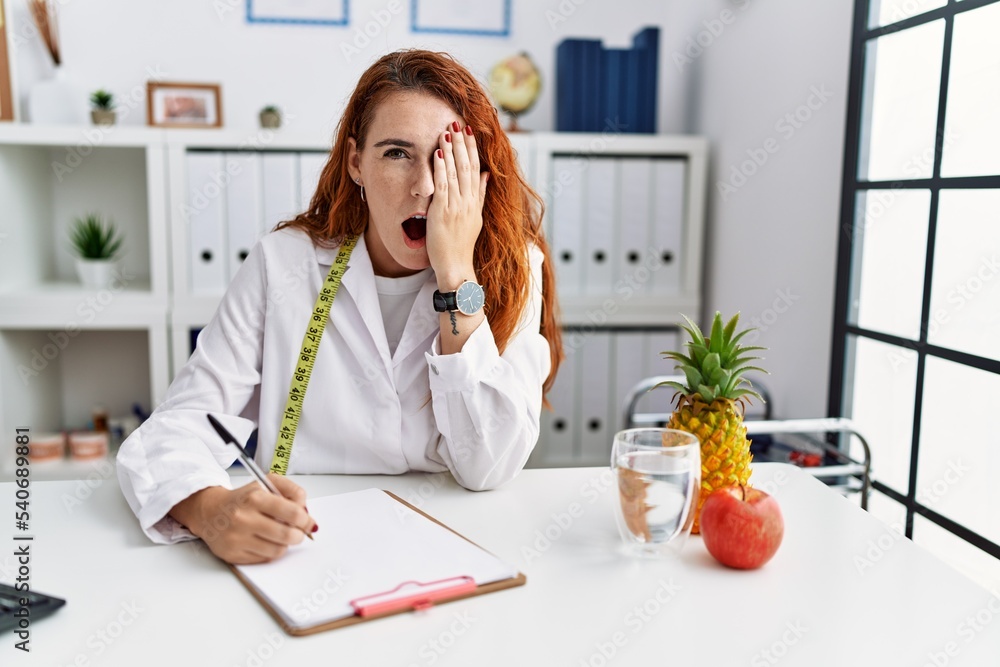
852, 186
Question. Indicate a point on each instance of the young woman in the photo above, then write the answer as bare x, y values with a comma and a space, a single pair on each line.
436, 349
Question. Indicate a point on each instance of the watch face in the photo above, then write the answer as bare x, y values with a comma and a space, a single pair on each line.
470, 297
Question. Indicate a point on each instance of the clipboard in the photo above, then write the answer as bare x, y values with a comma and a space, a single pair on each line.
408, 594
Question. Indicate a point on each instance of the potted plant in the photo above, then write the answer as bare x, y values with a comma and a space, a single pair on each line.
103, 103
270, 116
96, 244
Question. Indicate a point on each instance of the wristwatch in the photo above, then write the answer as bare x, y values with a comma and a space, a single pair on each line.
467, 299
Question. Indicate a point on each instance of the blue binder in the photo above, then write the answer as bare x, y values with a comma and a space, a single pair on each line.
598, 88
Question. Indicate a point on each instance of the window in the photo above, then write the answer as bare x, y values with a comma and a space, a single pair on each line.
916, 352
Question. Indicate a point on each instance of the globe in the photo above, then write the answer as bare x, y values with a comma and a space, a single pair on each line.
515, 84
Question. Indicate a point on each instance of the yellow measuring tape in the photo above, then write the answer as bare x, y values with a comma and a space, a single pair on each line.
307, 357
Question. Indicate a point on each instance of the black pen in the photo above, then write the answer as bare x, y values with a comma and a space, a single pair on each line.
248, 462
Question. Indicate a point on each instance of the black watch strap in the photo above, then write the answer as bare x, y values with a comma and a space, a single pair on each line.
445, 301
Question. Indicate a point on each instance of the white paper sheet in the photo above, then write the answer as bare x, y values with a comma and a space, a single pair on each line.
367, 543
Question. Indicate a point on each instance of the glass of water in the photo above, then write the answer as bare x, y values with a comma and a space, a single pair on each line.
658, 471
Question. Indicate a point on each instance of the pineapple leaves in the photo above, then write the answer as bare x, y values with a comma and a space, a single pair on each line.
676, 385
694, 378
708, 393
715, 340
712, 364
714, 367
731, 327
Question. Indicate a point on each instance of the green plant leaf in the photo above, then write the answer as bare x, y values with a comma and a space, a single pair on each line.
92, 240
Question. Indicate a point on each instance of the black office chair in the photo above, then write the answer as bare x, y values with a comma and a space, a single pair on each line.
838, 470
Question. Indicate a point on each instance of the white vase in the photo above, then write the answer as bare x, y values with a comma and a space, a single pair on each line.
96, 273
56, 101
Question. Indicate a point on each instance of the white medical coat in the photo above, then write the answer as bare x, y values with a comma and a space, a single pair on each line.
474, 413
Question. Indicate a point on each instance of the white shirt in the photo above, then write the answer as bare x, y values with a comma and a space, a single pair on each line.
396, 297
474, 413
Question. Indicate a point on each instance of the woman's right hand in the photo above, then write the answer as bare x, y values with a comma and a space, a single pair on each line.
248, 524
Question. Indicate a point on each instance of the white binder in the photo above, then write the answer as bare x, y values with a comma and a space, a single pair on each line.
630, 366
594, 378
636, 260
668, 221
566, 212
310, 167
280, 187
657, 342
205, 223
243, 207
599, 225
558, 430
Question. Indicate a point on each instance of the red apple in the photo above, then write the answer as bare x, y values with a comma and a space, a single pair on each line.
742, 526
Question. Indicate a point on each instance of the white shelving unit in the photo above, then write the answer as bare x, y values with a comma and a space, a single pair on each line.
125, 345
624, 222
65, 349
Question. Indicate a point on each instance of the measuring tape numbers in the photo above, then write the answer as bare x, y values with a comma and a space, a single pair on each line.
307, 357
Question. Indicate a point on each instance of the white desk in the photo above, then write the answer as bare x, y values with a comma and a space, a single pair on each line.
814, 604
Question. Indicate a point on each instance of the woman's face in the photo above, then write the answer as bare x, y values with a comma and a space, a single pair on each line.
396, 168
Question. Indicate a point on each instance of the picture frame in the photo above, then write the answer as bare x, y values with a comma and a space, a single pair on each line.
186, 105
484, 18
302, 12
7, 102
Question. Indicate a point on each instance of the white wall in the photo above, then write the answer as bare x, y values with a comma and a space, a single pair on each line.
776, 235
771, 244
304, 69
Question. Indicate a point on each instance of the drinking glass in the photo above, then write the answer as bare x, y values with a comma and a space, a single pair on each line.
658, 471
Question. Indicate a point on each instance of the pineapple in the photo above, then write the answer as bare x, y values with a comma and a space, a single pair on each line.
711, 404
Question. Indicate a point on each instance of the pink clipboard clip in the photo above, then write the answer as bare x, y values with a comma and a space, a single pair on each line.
426, 595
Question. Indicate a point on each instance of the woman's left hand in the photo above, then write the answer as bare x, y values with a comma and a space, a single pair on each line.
455, 216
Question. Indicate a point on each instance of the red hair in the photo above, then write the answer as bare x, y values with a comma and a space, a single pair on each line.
512, 211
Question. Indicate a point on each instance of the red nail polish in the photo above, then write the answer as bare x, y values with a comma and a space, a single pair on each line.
468, 130
454, 125
315, 528
440, 154
447, 137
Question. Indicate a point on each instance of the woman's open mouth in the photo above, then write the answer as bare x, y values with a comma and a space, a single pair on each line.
415, 231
